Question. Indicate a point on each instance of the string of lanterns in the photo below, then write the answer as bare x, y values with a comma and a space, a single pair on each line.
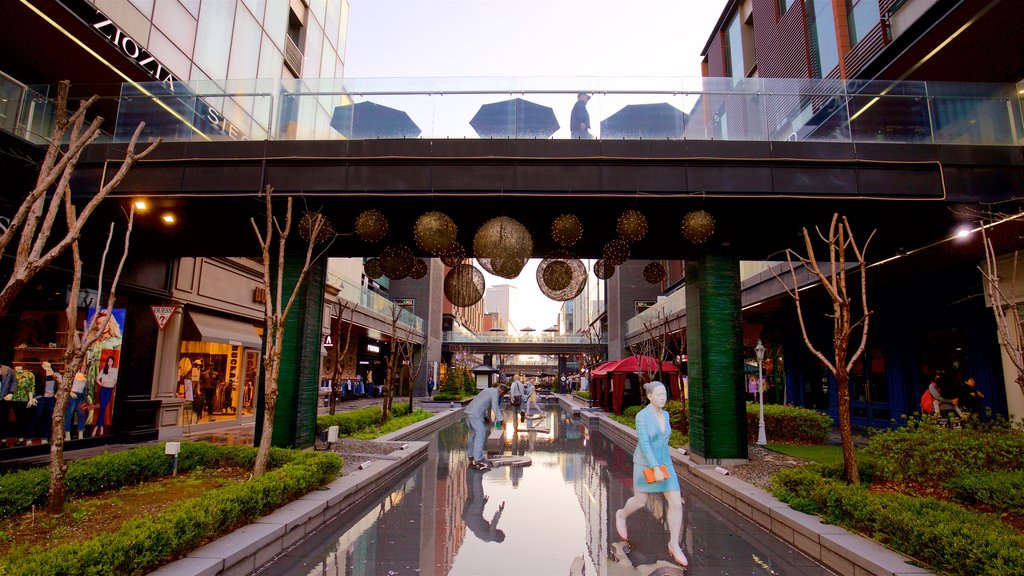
502, 246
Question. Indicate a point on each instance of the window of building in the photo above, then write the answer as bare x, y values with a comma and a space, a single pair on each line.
642, 305
862, 17
784, 6
734, 48
822, 33
212, 43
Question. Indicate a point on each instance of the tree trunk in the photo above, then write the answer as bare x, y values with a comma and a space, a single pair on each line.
269, 405
845, 431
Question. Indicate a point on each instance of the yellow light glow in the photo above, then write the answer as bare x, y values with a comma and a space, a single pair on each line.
141, 205
168, 218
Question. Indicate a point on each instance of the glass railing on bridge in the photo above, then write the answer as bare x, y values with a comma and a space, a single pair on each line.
738, 109
466, 337
369, 300
25, 111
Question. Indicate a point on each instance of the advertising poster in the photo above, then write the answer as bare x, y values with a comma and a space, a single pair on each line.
104, 360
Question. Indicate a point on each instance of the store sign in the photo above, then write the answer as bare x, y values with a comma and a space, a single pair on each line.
163, 315
233, 360
373, 348
126, 45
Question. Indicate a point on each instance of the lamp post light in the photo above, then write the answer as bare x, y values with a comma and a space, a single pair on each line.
761, 437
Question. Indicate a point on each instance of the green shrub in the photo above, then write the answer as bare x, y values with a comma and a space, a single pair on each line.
676, 440
789, 424
20, 490
947, 537
585, 394
678, 416
353, 421
142, 545
396, 423
631, 412
447, 397
1002, 490
454, 381
926, 452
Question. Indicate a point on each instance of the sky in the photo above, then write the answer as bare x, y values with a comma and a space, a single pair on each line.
474, 40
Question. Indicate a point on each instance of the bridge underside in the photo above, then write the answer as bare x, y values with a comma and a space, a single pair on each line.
760, 193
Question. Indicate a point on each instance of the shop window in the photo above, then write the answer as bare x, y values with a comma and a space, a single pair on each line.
217, 381
867, 378
642, 305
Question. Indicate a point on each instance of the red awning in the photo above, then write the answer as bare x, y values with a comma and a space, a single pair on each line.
635, 364
604, 368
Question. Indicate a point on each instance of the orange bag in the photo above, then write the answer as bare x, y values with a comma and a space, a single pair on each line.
649, 474
926, 403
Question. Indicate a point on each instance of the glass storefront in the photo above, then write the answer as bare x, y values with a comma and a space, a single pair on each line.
217, 381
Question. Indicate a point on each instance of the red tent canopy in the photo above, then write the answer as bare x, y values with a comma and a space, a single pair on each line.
634, 364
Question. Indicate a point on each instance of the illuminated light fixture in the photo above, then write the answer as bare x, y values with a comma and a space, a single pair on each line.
116, 70
168, 218
140, 205
963, 232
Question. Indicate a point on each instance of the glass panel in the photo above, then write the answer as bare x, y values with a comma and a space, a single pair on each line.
270, 59
317, 9
734, 47
175, 22
11, 94
863, 16
275, 23
333, 23
144, 6
824, 51
256, 7
314, 48
252, 370
191, 5
245, 46
168, 54
212, 43
343, 29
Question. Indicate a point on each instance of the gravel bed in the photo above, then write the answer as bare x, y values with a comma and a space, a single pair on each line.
355, 452
762, 466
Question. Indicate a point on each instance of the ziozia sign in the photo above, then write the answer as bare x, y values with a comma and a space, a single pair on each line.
206, 115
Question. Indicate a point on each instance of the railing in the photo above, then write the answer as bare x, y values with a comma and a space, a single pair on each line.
372, 301
750, 109
25, 111
465, 337
654, 316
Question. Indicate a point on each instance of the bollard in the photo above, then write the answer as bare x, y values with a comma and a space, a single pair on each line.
332, 434
173, 448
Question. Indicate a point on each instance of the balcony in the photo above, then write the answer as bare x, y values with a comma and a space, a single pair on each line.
375, 303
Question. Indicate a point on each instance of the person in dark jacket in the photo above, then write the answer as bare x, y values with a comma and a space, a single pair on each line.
579, 119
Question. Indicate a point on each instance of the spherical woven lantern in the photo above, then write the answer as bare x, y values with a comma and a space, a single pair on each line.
632, 226
464, 285
698, 226
502, 237
556, 275
508, 267
372, 268
566, 229
453, 255
615, 252
371, 225
559, 270
419, 269
315, 221
396, 262
434, 232
603, 270
654, 272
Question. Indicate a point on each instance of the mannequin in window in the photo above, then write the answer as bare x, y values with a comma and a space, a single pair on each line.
106, 379
208, 386
8, 383
197, 403
23, 399
75, 400
45, 399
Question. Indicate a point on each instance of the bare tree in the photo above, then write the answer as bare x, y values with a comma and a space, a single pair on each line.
340, 352
32, 224
315, 229
394, 365
76, 350
407, 351
840, 238
1007, 315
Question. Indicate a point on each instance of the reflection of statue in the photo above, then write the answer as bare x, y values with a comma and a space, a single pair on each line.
619, 564
473, 513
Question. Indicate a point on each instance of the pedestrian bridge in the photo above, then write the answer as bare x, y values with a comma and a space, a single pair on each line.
529, 343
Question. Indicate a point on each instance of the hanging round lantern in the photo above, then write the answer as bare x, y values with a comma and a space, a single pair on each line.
464, 285
566, 229
371, 225
507, 267
372, 268
502, 237
419, 269
396, 262
559, 270
698, 226
603, 270
315, 221
615, 252
453, 255
556, 275
654, 272
434, 232
632, 226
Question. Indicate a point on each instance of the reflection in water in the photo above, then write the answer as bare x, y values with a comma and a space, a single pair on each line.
553, 517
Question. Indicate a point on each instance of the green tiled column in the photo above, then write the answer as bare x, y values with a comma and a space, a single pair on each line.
714, 340
295, 417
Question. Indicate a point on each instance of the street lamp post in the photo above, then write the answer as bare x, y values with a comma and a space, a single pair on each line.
761, 437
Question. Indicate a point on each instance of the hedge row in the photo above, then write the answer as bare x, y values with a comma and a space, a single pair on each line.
393, 424
783, 424
948, 538
144, 544
932, 453
1001, 490
353, 421
20, 490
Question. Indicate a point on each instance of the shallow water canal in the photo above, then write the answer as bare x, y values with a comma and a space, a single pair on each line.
553, 517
